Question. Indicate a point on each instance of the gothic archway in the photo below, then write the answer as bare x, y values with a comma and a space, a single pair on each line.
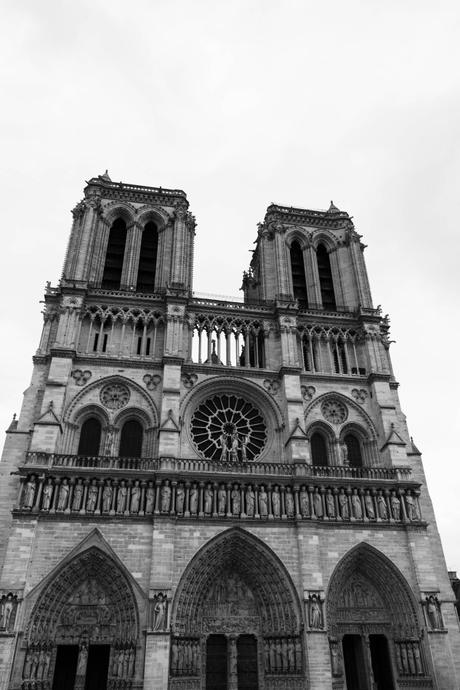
236, 609
83, 631
375, 635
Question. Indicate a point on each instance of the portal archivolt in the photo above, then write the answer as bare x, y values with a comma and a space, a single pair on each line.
236, 619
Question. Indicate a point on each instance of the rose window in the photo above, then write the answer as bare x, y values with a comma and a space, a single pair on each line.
228, 428
114, 396
334, 411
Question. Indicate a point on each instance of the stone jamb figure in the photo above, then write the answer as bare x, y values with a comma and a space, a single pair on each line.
159, 611
315, 612
433, 612
8, 605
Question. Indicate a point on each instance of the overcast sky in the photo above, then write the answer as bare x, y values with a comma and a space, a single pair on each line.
242, 104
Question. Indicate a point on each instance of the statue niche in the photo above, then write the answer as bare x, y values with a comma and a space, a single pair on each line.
230, 607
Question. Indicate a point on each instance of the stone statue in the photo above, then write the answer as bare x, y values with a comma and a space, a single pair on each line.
344, 452
335, 659
92, 496
82, 660
304, 503
165, 497
122, 497
159, 612
250, 502
77, 495
433, 612
29, 493
234, 447
382, 507
356, 505
290, 509
107, 495
330, 505
244, 448
318, 504
149, 499
276, 502
411, 507
222, 499
194, 499
343, 505
63, 495
223, 447
6, 615
47, 494
315, 612
263, 505
208, 495
236, 500
135, 497
180, 497
369, 503
395, 506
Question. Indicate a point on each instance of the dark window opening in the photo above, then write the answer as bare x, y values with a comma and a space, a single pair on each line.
361, 371
113, 267
131, 439
381, 664
66, 667
148, 259
147, 347
318, 450
340, 358
139, 345
90, 437
354, 450
353, 657
299, 284
104, 342
98, 667
216, 662
96, 340
246, 647
325, 278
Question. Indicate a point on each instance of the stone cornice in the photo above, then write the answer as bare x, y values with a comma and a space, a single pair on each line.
121, 191
317, 219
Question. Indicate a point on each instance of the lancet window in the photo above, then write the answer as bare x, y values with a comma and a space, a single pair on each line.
318, 446
228, 342
90, 437
113, 266
299, 284
333, 351
325, 278
354, 454
121, 332
131, 439
148, 258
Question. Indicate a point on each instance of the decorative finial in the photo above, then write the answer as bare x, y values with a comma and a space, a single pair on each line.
14, 424
105, 177
333, 208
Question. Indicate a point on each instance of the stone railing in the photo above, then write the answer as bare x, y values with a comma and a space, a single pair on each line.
39, 459
254, 499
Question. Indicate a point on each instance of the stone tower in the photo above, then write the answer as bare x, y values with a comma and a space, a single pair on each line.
203, 494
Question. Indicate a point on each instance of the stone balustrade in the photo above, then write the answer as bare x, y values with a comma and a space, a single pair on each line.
257, 499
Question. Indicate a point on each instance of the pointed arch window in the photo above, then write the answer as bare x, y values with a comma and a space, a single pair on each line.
355, 458
318, 450
148, 258
325, 278
131, 439
113, 267
299, 284
90, 437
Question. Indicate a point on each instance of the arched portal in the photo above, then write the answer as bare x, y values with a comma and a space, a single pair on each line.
83, 630
375, 636
236, 619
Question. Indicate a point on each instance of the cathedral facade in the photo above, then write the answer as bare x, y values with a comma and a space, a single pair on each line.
204, 494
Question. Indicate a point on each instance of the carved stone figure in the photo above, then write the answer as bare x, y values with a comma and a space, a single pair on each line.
7, 612
336, 662
318, 504
236, 500
92, 496
165, 497
343, 505
276, 502
208, 495
356, 505
122, 497
382, 507
47, 494
234, 447
369, 503
330, 505
77, 495
304, 503
244, 448
194, 499
222, 499
63, 495
180, 497
315, 612
29, 493
395, 506
135, 497
250, 502
344, 452
107, 495
411, 507
82, 660
433, 612
149, 499
223, 447
159, 612
290, 509
263, 505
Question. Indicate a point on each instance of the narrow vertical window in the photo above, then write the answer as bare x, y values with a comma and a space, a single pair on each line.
113, 267
90, 437
318, 450
148, 259
354, 450
325, 278
131, 439
299, 284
